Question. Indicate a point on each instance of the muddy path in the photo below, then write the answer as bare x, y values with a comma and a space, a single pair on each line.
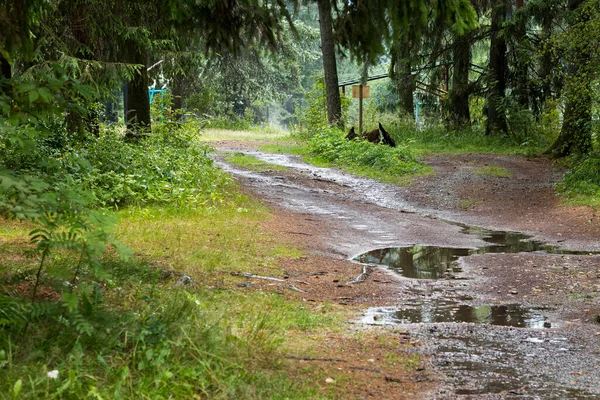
500, 315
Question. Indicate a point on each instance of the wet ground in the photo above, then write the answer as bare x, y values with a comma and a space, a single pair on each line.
497, 281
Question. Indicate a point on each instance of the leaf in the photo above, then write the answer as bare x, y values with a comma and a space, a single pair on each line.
70, 300
45, 94
25, 87
33, 96
17, 388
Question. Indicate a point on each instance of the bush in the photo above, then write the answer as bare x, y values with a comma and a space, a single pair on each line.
170, 166
361, 156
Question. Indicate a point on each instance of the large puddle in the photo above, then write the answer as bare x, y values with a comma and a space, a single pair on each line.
448, 310
432, 262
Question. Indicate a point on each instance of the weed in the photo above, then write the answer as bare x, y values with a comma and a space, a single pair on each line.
134, 332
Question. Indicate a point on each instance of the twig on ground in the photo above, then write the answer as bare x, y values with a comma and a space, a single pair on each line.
295, 289
366, 271
298, 233
268, 278
309, 358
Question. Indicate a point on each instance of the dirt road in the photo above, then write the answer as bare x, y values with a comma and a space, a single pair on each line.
499, 314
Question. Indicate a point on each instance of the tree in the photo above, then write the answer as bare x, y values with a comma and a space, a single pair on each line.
498, 67
459, 113
334, 104
403, 77
582, 65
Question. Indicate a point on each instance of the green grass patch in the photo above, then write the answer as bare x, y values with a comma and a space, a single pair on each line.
252, 163
581, 185
299, 148
442, 141
493, 171
137, 333
467, 204
393, 165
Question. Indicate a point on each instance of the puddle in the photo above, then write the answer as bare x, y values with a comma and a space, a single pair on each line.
432, 262
419, 262
447, 310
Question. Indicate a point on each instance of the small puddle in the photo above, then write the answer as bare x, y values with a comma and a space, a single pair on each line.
432, 262
447, 310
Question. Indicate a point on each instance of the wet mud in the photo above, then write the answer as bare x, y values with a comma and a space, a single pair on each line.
503, 300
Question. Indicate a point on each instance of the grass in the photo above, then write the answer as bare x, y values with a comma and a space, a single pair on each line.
298, 148
148, 336
440, 141
212, 135
493, 171
581, 184
252, 163
466, 204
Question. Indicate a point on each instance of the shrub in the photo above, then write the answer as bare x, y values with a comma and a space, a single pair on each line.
382, 160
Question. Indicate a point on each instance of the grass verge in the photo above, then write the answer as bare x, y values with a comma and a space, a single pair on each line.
140, 332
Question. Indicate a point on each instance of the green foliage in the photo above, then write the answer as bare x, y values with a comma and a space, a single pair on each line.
311, 118
581, 185
360, 156
170, 166
434, 137
232, 121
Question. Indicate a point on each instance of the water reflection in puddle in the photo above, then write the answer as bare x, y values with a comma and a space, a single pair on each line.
447, 310
420, 262
432, 262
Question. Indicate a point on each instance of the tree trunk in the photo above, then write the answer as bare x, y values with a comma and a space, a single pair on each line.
334, 104
403, 79
521, 61
576, 134
137, 109
546, 64
496, 116
460, 115
6, 74
177, 91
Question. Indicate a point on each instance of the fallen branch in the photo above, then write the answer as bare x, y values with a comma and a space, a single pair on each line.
309, 358
366, 271
295, 289
298, 233
268, 278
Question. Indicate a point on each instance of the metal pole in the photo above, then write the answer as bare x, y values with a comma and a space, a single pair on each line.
360, 112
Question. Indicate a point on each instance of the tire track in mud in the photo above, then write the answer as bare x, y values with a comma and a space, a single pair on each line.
475, 361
